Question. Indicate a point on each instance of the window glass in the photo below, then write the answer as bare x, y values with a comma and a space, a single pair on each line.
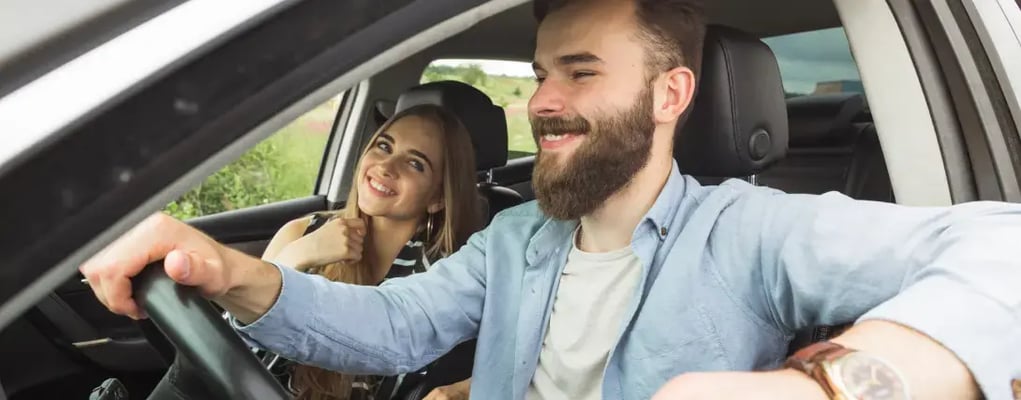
816, 62
282, 167
508, 83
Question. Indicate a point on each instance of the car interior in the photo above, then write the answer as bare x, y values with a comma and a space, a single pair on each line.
741, 126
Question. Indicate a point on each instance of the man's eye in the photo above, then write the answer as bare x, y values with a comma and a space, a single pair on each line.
582, 74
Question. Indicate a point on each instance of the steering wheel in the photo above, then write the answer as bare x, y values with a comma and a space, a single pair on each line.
207, 347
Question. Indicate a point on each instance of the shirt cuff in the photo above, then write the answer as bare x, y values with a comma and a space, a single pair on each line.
286, 321
983, 333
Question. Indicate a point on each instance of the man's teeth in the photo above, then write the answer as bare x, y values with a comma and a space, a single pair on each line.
553, 138
378, 186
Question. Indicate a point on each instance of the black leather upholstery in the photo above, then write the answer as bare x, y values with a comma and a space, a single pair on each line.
486, 122
833, 147
497, 198
738, 125
823, 120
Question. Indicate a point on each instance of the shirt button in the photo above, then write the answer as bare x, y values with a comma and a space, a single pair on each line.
662, 231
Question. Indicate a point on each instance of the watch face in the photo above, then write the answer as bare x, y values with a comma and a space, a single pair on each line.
866, 378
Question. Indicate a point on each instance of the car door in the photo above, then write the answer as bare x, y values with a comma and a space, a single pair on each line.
135, 120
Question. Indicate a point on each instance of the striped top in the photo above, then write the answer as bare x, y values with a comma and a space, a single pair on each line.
410, 260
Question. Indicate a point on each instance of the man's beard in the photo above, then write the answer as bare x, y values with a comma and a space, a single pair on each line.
601, 166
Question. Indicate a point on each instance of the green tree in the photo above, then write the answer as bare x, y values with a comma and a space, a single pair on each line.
517, 91
247, 182
473, 75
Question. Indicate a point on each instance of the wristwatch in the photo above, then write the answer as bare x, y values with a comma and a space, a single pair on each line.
846, 374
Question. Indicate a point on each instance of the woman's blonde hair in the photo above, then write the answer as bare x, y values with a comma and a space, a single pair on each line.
450, 228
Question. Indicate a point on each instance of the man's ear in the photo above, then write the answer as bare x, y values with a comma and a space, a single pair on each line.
674, 92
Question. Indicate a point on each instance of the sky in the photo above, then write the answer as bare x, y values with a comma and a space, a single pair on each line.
804, 59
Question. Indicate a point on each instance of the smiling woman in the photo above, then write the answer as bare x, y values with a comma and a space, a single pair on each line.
413, 202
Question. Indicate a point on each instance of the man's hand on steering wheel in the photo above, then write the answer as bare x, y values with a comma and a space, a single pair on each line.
212, 361
243, 285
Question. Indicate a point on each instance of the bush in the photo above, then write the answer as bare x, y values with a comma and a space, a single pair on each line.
244, 183
282, 167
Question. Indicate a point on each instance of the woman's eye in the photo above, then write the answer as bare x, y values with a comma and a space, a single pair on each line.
417, 165
383, 146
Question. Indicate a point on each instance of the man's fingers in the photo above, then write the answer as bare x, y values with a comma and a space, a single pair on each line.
117, 292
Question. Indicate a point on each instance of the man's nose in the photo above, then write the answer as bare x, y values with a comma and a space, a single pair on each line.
548, 100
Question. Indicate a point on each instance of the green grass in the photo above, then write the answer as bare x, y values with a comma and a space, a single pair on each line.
282, 167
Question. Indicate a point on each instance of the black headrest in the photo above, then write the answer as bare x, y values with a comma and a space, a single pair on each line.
486, 123
383, 111
738, 125
824, 120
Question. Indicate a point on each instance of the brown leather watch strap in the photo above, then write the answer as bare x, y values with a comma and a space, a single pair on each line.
809, 359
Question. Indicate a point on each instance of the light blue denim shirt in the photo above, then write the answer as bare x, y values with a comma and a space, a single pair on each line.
730, 272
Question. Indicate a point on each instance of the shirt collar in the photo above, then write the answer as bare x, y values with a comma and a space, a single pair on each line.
664, 209
555, 233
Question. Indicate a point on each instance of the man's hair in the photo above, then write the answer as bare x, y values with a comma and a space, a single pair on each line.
673, 31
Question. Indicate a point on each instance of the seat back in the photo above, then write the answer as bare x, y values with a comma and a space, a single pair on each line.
738, 124
833, 147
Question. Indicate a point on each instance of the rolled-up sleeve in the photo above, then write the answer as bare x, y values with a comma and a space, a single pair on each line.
397, 327
952, 273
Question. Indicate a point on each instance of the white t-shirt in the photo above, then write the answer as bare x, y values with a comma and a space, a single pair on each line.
595, 290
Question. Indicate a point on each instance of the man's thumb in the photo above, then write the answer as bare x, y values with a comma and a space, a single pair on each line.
184, 267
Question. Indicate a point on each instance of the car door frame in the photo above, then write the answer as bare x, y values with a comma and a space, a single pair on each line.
961, 49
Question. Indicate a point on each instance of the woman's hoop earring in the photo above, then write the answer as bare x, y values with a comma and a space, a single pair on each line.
429, 228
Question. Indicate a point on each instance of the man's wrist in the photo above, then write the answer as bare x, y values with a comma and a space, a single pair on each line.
253, 286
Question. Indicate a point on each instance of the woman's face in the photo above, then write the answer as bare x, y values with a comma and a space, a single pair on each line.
402, 171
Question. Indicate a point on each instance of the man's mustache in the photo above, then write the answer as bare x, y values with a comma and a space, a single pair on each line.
558, 126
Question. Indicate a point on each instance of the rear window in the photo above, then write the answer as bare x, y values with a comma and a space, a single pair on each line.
816, 62
508, 83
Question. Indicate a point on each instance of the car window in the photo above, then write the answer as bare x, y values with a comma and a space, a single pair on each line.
284, 166
816, 62
508, 83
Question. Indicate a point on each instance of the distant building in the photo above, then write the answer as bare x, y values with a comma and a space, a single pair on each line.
843, 86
